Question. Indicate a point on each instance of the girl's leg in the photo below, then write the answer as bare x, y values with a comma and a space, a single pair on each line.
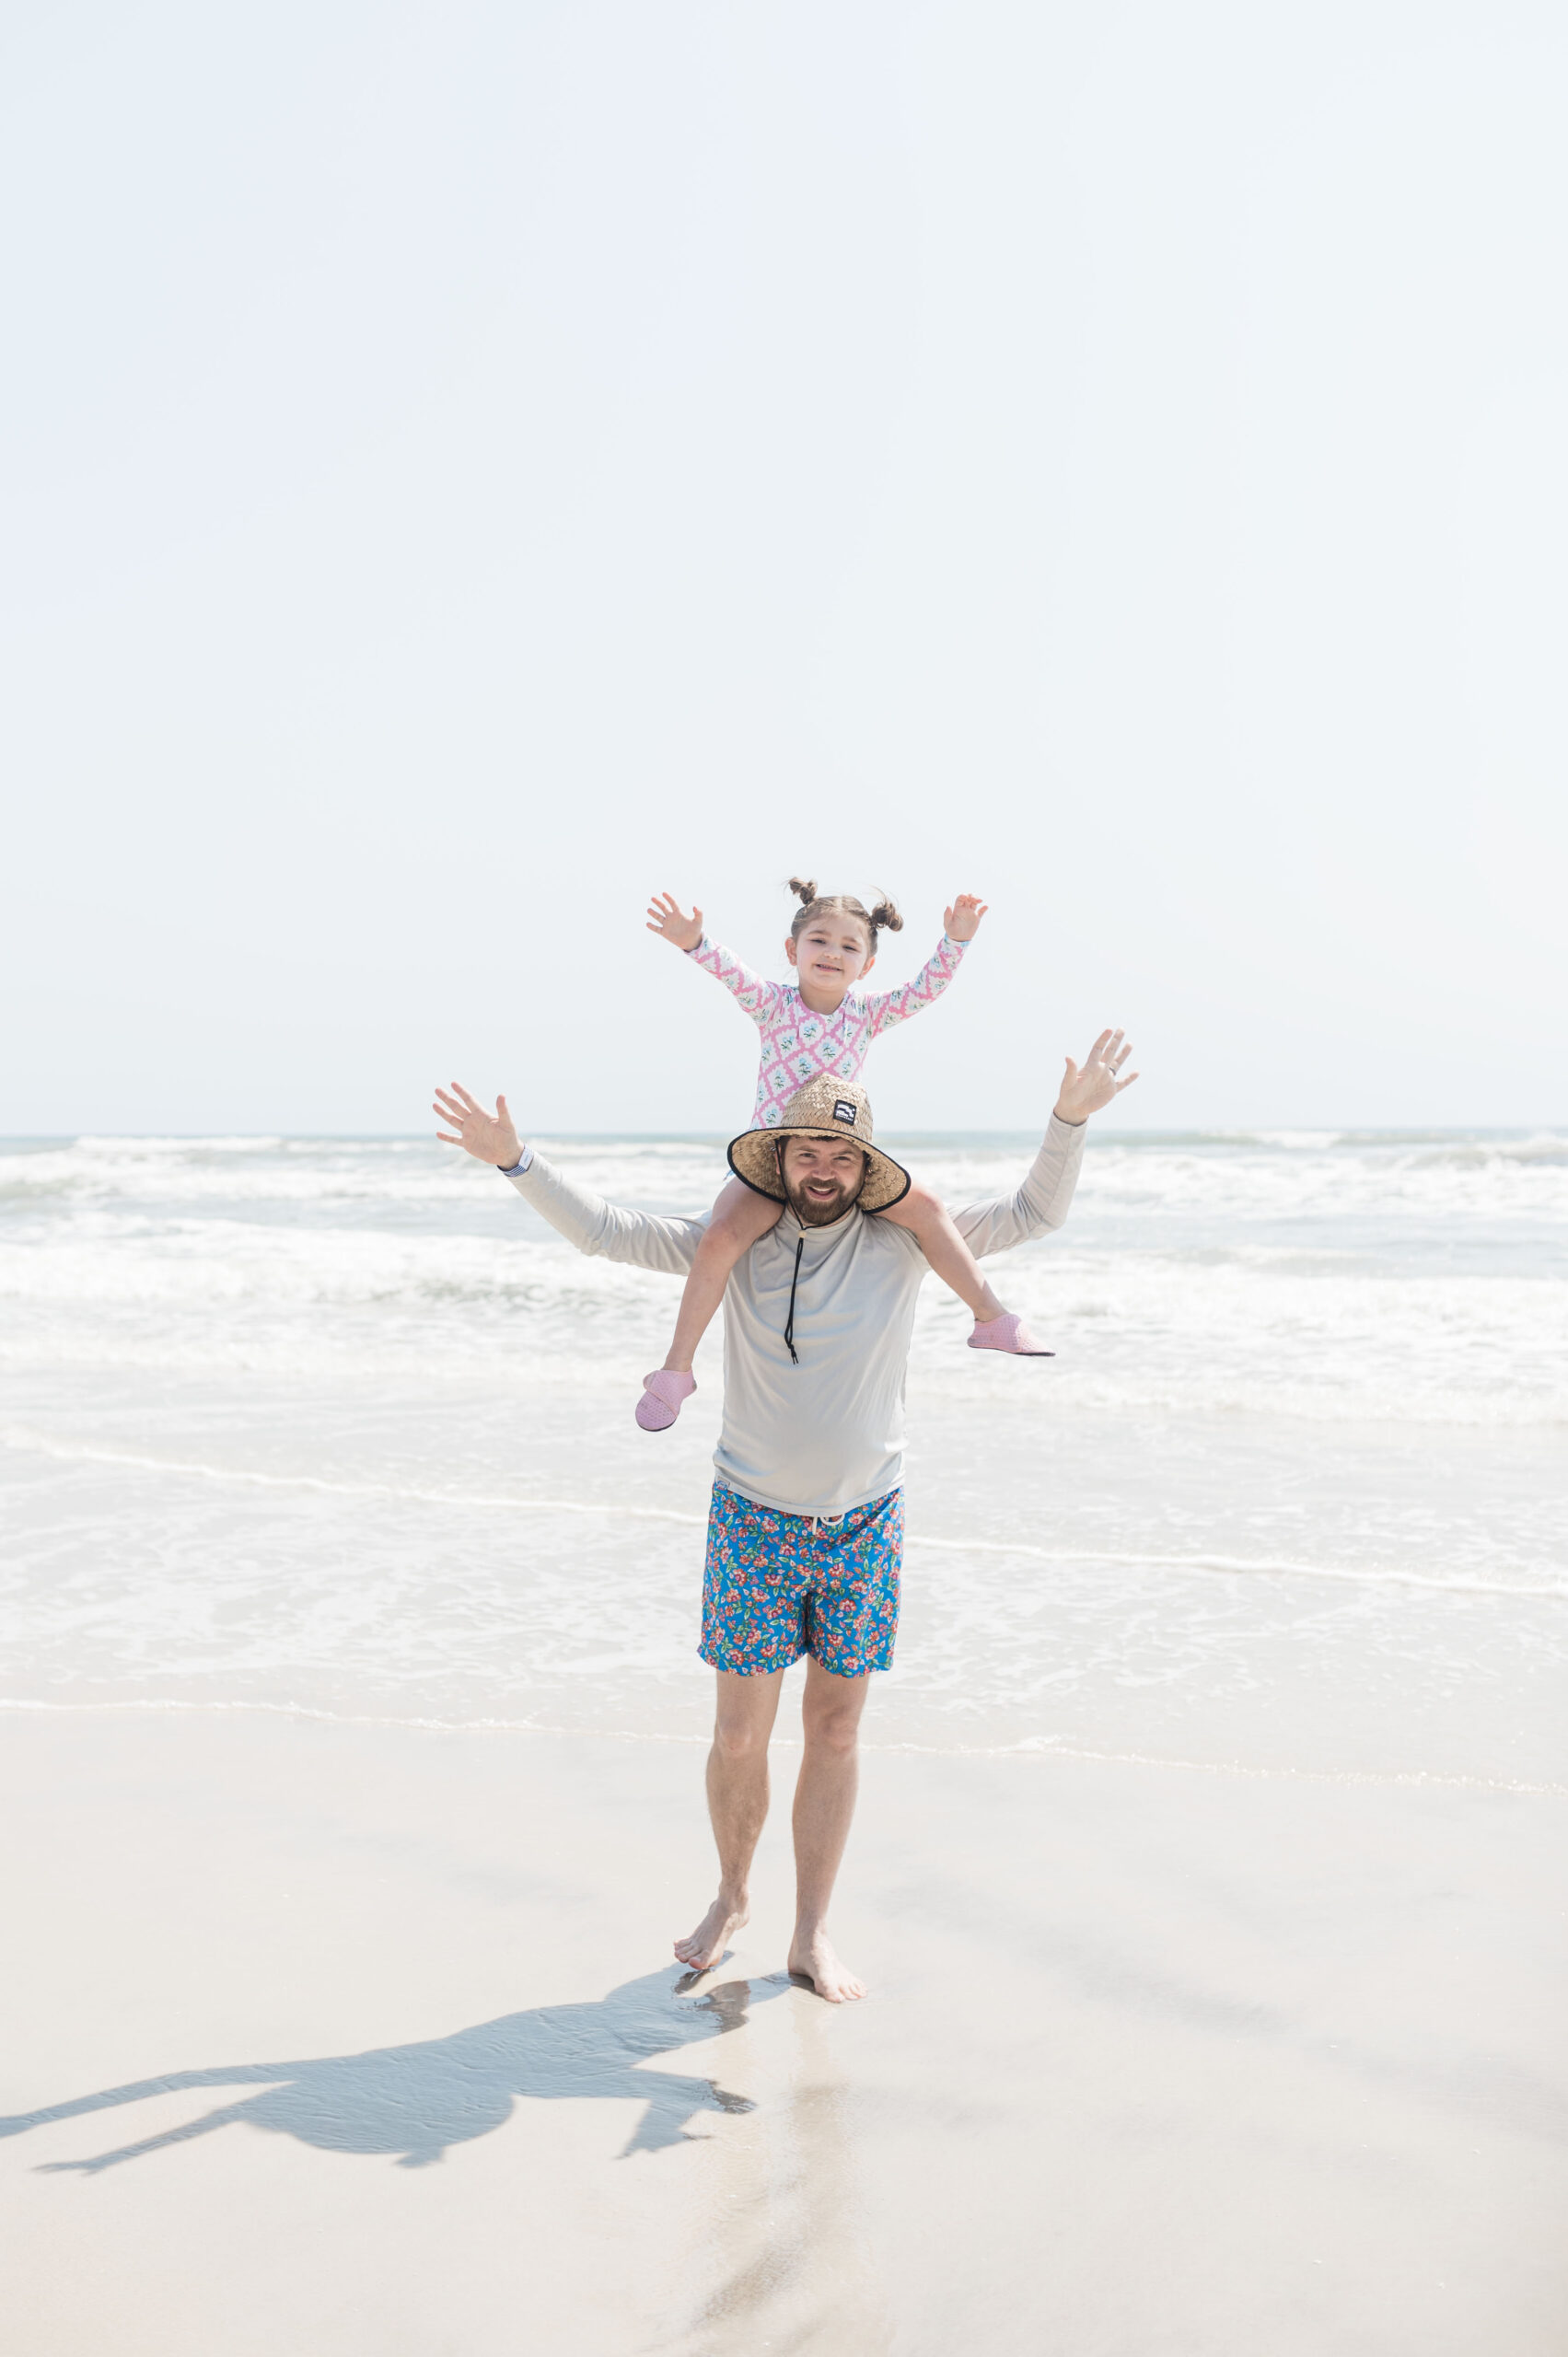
931, 1224
740, 1216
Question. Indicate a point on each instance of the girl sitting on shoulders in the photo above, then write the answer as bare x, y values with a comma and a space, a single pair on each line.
819, 1023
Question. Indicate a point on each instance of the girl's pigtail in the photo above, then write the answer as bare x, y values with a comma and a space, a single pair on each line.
886, 914
806, 892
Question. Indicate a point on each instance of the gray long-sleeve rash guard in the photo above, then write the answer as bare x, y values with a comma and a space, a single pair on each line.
827, 1436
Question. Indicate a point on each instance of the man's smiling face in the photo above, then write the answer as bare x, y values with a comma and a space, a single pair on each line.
822, 1178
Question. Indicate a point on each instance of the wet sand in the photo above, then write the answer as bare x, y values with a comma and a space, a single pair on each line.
364, 2041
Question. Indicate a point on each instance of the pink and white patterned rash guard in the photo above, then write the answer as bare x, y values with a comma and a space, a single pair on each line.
796, 1044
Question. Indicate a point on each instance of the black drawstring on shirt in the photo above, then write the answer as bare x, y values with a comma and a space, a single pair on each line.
789, 1322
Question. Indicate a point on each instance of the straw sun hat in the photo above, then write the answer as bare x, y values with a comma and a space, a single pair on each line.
825, 1107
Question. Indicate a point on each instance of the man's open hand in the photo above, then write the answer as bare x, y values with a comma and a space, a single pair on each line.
669, 920
489, 1137
961, 922
1084, 1092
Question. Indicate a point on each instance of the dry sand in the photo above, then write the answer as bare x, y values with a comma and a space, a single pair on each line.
1156, 2060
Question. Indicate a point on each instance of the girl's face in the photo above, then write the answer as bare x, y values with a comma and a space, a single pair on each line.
831, 953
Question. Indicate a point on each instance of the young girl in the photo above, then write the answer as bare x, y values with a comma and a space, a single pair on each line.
821, 1024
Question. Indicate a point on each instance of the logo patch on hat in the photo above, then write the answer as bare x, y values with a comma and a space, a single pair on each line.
844, 1110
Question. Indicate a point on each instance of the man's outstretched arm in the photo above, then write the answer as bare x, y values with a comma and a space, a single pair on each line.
585, 1220
1042, 1201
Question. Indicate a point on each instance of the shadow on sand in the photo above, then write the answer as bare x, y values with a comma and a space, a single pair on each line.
410, 2103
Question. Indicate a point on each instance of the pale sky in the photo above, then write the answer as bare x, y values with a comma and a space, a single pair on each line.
469, 465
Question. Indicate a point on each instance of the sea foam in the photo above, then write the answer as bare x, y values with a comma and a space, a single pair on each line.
341, 1425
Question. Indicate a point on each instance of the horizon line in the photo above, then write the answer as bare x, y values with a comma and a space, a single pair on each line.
1415, 1130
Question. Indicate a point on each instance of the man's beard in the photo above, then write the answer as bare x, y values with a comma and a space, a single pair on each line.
822, 1214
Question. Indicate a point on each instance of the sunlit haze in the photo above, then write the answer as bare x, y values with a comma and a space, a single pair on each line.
468, 467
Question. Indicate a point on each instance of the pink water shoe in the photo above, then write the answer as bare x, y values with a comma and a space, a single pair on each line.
1006, 1333
663, 1394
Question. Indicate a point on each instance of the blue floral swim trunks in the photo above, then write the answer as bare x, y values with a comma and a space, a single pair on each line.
777, 1585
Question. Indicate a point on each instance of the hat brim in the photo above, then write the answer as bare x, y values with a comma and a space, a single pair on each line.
754, 1161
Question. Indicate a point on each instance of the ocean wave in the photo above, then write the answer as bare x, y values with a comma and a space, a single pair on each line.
399, 1172
1030, 1750
1190, 1563
1241, 1175
1227, 1333
21, 1437
1242, 1336
192, 1265
1321, 1276
1459, 1184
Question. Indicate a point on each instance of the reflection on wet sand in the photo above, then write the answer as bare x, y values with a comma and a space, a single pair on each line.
779, 2238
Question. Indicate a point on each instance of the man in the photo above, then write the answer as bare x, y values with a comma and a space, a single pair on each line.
805, 1531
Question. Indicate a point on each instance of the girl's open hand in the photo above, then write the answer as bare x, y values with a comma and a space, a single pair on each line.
489, 1137
961, 922
1087, 1091
667, 918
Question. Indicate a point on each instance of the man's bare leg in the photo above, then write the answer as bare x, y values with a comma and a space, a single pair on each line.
824, 1805
737, 1805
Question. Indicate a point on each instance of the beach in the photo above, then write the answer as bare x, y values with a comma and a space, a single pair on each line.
1207, 1875
1155, 2062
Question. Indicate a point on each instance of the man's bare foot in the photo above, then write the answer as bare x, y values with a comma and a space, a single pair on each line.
816, 1959
708, 1942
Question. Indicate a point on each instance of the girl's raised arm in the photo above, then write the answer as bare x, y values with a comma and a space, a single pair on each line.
751, 992
960, 925
889, 1007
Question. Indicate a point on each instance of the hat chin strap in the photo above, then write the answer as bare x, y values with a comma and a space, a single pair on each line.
789, 1322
